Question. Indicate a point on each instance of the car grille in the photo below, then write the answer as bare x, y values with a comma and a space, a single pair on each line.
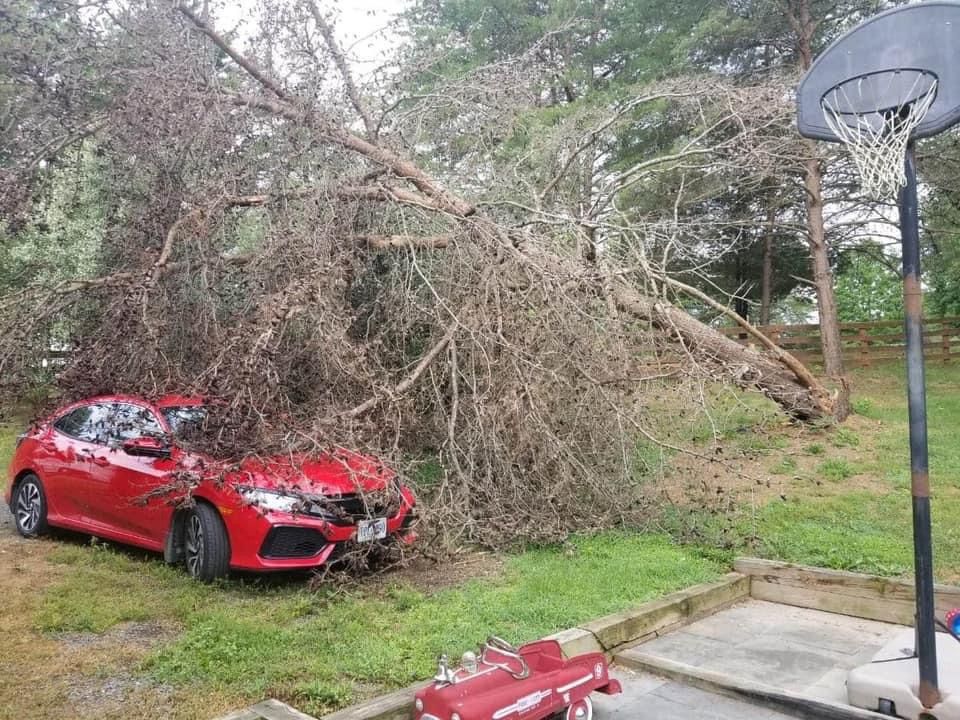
350, 508
292, 542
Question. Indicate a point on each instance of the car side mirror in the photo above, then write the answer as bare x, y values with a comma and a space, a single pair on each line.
146, 447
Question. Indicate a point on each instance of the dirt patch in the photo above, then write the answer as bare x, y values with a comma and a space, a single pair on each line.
431, 576
144, 635
775, 463
75, 675
113, 696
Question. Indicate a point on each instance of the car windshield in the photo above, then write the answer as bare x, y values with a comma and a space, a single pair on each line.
185, 421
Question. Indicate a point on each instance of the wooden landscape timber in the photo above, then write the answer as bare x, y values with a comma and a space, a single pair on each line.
846, 593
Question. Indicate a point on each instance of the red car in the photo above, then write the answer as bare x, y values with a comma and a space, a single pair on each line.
106, 466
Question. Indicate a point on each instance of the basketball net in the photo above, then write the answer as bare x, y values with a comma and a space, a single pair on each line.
877, 139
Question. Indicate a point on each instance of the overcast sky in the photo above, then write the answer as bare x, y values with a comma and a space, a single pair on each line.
361, 26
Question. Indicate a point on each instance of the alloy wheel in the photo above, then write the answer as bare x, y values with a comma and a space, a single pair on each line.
194, 545
29, 507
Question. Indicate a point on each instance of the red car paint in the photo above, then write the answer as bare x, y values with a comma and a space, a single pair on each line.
98, 488
499, 689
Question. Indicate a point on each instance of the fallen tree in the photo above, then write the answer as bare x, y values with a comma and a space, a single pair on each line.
332, 290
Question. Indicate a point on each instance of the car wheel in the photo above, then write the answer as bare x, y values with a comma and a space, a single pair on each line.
30, 507
206, 547
580, 710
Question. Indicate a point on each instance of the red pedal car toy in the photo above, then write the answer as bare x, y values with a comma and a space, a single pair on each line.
533, 682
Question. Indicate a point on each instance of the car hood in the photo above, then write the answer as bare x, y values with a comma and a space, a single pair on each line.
339, 472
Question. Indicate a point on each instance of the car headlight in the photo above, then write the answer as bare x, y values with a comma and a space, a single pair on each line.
269, 499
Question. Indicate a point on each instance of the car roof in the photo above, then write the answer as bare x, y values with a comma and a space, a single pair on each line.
179, 401
162, 402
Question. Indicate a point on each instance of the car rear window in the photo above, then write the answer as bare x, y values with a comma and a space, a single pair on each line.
73, 422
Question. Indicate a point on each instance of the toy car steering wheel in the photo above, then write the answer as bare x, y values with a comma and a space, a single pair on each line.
502, 647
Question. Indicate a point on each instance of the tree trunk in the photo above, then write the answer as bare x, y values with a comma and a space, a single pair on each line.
766, 280
820, 261
800, 17
802, 397
740, 303
745, 367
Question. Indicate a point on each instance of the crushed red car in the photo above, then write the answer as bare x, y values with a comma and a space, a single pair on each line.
533, 682
107, 465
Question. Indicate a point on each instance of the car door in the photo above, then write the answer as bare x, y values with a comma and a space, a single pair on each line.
73, 453
130, 502
90, 472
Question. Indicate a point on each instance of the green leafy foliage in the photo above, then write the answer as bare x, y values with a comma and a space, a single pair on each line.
942, 215
868, 288
61, 239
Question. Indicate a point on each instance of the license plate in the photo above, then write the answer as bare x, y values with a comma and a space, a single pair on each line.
368, 530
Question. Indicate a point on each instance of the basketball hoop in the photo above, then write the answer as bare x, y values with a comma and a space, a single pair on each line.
877, 137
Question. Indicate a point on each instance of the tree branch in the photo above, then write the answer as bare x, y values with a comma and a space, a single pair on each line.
332, 131
340, 59
386, 242
255, 72
410, 380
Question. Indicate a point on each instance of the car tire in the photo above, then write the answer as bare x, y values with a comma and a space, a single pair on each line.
206, 547
580, 710
30, 507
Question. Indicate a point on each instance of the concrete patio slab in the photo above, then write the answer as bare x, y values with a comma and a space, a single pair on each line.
797, 649
650, 696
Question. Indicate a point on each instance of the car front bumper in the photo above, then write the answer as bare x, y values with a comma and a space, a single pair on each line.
272, 540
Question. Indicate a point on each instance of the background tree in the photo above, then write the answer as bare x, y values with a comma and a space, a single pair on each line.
750, 39
868, 287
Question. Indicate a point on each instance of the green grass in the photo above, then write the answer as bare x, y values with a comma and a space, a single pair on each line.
8, 438
835, 470
786, 466
856, 531
844, 437
321, 650
870, 531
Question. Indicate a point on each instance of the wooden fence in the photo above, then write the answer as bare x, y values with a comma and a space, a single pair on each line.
863, 343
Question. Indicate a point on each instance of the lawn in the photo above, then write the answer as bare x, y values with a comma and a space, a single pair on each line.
832, 496
851, 510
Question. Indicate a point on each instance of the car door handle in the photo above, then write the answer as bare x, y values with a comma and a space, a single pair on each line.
100, 460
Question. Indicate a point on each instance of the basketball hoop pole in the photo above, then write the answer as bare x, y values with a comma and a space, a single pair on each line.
929, 693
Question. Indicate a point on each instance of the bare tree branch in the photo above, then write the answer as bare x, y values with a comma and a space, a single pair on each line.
340, 59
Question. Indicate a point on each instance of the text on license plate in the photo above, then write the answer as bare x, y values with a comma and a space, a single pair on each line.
368, 530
